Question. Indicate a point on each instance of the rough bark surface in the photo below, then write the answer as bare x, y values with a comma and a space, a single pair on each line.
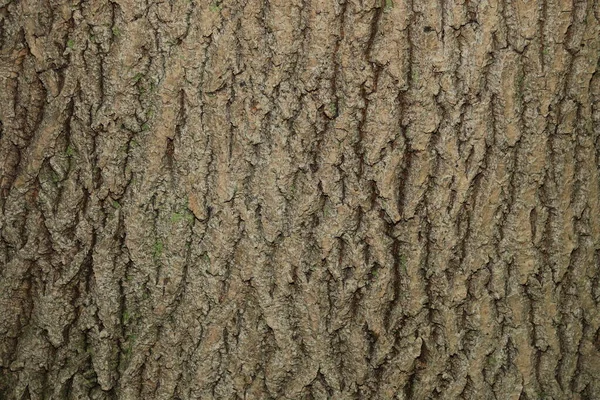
299, 199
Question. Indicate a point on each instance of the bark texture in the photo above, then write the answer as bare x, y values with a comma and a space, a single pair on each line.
300, 199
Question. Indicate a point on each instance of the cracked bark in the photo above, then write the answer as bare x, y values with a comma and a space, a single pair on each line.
299, 199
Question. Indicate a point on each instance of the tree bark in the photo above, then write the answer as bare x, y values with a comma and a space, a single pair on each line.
345, 199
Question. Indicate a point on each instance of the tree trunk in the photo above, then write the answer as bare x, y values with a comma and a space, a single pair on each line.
383, 199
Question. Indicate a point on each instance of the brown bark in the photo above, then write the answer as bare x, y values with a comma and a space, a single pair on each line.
346, 199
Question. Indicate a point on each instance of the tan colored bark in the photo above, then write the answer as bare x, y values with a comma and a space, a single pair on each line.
308, 199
